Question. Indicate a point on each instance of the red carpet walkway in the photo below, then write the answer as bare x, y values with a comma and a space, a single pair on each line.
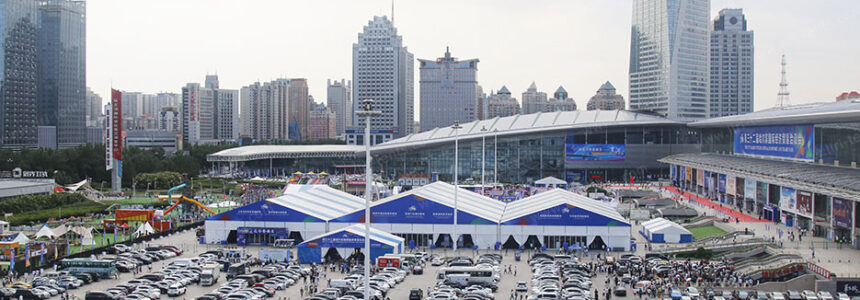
715, 205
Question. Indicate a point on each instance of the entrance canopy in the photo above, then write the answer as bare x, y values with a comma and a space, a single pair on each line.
45, 231
561, 208
349, 239
432, 204
299, 203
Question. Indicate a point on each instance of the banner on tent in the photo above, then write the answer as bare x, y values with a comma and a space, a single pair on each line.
343, 239
265, 211
412, 209
565, 215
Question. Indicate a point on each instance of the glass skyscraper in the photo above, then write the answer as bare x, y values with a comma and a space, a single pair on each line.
669, 58
18, 73
62, 77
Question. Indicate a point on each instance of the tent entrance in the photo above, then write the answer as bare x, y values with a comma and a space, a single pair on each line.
357, 257
465, 242
597, 244
332, 256
532, 242
511, 243
231, 237
296, 237
444, 241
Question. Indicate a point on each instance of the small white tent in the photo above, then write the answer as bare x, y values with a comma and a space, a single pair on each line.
144, 229
19, 238
46, 231
660, 230
551, 182
88, 239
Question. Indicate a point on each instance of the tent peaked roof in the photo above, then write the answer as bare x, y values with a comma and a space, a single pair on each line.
45, 231
358, 229
662, 225
467, 201
556, 197
550, 180
317, 200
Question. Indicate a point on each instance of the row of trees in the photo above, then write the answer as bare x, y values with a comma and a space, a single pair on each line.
88, 161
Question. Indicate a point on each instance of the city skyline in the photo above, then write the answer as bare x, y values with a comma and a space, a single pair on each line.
551, 61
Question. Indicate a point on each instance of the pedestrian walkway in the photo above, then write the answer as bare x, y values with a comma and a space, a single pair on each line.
728, 212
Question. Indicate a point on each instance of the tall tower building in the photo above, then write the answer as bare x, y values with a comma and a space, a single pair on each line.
501, 104
383, 70
533, 101
560, 101
299, 109
265, 110
339, 101
211, 82
94, 108
732, 65
18, 74
62, 68
669, 52
209, 115
448, 88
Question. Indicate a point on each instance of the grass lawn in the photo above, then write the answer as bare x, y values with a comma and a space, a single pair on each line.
700, 233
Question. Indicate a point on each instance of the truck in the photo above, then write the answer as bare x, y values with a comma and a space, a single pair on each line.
209, 275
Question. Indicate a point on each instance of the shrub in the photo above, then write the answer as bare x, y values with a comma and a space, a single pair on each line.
30, 203
160, 179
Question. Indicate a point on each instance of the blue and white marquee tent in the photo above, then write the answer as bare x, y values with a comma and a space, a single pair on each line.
560, 213
660, 230
345, 241
302, 208
429, 210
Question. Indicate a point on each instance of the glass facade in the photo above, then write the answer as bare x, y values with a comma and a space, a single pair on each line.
18, 73
524, 158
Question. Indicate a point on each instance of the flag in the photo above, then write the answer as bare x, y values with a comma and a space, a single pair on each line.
27, 256
114, 234
12, 259
68, 249
42, 254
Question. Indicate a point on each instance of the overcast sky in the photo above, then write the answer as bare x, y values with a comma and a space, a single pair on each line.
159, 45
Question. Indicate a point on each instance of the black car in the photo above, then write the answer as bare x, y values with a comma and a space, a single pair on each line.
620, 291
26, 294
213, 296
96, 295
417, 270
416, 294
86, 278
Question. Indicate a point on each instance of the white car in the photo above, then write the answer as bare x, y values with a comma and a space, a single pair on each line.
176, 290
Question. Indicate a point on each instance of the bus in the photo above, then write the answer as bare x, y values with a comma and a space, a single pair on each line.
104, 268
482, 275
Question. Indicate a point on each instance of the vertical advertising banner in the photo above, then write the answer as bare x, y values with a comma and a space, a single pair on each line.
700, 177
721, 185
788, 200
842, 212
116, 123
750, 188
792, 142
108, 140
804, 203
689, 172
731, 185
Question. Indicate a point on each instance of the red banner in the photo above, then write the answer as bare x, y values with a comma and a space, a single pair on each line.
116, 120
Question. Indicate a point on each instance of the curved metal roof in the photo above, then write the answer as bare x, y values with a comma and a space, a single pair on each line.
830, 112
526, 124
246, 153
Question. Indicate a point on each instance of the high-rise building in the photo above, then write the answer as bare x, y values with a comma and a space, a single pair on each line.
18, 74
447, 89
132, 104
501, 104
560, 101
339, 101
94, 108
322, 124
732, 65
209, 115
62, 80
211, 82
383, 70
533, 101
606, 99
265, 110
298, 109
669, 52
170, 119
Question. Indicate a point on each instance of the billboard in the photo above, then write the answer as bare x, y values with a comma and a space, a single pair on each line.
804, 203
842, 212
731, 185
590, 152
750, 188
721, 185
116, 124
788, 200
108, 141
793, 142
700, 177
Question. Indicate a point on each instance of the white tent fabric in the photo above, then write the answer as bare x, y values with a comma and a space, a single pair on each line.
88, 239
467, 201
550, 181
223, 204
144, 229
45, 231
554, 198
375, 235
76, 186
61, 230
671, 231
19, 238
317, 200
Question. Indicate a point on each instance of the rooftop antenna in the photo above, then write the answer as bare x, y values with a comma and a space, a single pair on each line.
392, 12
782, 99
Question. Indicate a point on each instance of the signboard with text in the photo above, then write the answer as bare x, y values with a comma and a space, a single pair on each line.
788, 200
793, 142
843, 211
601, 152
804, 203
116, 124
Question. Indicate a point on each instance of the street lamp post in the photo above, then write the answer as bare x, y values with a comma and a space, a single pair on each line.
483, 157
456, 128
367, 113
496, 156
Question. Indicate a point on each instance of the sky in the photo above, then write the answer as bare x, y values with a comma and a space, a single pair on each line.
160, 45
